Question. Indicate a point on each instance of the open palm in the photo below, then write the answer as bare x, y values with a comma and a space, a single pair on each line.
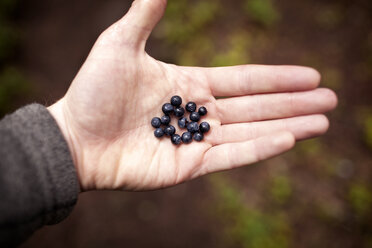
105, 116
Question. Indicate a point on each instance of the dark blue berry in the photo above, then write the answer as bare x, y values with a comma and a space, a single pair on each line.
204, 127
159, 132
192, 127
198, 136
167, 108
182, 122
169, 130
156, 122
186, 137
176, 139
194, 116
179, 111
191, 106
176, 101
202, 111
165, 120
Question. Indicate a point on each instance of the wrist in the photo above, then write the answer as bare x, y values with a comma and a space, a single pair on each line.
58, 113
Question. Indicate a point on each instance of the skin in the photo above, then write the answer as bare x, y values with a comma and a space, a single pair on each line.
105, 115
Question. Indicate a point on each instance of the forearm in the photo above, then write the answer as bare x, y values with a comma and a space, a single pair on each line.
38, 182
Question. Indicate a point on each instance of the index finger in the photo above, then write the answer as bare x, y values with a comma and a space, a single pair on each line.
256, 79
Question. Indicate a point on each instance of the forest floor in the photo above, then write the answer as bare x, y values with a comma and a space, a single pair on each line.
318, 195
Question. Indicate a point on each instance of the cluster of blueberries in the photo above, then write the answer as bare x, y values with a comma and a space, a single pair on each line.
194, 130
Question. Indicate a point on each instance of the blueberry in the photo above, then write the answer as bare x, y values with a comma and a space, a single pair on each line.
176, 101
198, 136
186, 137
179, 111
169, 130
156, 122
202, 111
165, 120
159, 132
182, 122
192, 127
191, 106
176, 139
194, 116
204, 127
167, 108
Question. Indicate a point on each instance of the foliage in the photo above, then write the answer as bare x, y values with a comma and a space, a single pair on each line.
262, 12
180, 26
246, 226
360, 198
363, 116
310, 147
237, 53
192, 33
368, 130
202, 32
332, 78
281, 189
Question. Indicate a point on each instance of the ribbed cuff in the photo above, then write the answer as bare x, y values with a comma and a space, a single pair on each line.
48, 153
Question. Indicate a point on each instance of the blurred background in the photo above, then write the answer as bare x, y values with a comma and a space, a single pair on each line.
318, 195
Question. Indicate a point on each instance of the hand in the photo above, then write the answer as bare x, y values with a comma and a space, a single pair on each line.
105, 115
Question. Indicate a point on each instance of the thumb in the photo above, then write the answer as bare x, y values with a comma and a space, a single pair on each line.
140, 20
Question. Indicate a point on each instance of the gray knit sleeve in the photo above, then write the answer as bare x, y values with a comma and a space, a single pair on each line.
38, 181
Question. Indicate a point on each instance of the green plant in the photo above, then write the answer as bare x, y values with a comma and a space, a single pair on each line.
310, 147
367, 128
332, 78
246, 226
360, 198
262, 11
180, 26
237, 52
281, 189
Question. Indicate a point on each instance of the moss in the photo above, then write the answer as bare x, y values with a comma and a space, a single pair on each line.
246, 226
262, 11
197, 51
310, 147
180, 26
367, 129
360, 198
332, 78
281, 189
237, 53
